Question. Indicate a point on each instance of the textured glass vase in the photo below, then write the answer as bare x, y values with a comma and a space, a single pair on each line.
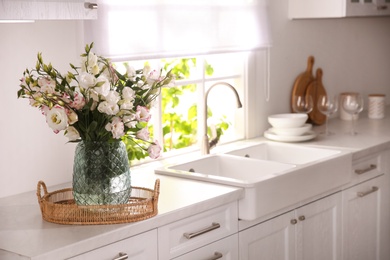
101, 173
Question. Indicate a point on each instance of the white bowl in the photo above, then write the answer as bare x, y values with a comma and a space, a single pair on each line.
294, 131
288, 120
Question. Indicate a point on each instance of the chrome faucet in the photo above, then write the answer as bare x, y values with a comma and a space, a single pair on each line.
206, 145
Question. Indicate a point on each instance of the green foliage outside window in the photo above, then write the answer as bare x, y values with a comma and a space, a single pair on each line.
179, 130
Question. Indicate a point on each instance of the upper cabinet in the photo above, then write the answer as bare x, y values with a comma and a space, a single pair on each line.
300, 9
47, 10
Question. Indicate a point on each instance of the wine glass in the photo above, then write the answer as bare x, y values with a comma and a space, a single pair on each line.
353, 105
327, 106
302, 103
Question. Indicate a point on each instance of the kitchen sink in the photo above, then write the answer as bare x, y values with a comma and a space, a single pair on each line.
285, 153
273, 175
227, 169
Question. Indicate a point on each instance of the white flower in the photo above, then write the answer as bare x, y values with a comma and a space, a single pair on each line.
57, 118
128, 93
130, 121
86, 80
153, 76
72, 117
108, 108
104, 88
72, 133
127, 104
116, 127
143, 134
130, 71
142, 114
112, 97
93, 94
90, 64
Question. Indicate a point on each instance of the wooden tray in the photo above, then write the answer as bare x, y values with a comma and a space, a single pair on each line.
59, 207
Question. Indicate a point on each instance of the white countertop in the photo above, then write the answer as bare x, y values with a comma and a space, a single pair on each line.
23, 232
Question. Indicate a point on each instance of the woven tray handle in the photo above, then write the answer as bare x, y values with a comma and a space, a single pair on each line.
41, 185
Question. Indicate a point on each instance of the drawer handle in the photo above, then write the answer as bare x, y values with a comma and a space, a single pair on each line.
91, 6
201, 232
122, 256
365, 193
381, 7
217, 255
370, 168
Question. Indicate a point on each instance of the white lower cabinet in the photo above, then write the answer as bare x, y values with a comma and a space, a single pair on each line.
224, 249
198, 231
366, 220
312, 231
142, 246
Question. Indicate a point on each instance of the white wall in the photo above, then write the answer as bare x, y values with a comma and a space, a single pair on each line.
29, 150
353, 53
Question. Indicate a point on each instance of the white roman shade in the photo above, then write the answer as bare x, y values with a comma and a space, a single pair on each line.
129, 29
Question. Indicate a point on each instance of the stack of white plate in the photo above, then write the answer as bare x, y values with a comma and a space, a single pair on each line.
289, 127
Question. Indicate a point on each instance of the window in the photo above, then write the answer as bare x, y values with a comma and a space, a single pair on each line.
222, 36
178, 117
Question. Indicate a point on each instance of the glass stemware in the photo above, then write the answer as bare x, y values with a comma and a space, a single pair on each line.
302, 104
353, 105
327, 106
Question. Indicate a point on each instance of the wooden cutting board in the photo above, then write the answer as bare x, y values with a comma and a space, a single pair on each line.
303, 80
315, 89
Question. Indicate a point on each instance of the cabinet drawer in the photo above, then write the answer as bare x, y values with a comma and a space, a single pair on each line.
224, 249
142, 246
367, 168
196, 231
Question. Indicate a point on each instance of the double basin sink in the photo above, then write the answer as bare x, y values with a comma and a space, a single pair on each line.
273, 175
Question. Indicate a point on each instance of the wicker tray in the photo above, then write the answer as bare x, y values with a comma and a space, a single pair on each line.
59, 207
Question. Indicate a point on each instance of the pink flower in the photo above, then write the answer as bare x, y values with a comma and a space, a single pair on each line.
142, 114
116, 127
78, 101
143, 134
154, 150
47, 85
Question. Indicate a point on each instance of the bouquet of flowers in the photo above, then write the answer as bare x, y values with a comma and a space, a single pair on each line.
94, 102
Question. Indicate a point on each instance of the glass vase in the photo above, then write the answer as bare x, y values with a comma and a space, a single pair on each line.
101, 173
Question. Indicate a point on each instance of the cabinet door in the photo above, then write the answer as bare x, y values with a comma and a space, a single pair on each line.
47, 10
142, 246
363, 210
368, 7
270, 240
319, 229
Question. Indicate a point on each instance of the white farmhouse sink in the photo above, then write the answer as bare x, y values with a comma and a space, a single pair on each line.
227, 169
275, 175
285, 153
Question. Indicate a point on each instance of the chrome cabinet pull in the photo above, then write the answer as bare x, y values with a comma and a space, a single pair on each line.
213, 226
122, 256
90, 5
293, 221
302, 218
369, 168
365, 193
217, 255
